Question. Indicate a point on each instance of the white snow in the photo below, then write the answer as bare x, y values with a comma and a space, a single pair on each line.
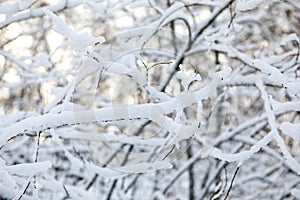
143, 167
274, 74
108, 137
26, 4
247, 5
217, 78
87, 128
296, 193
6, 192
80, 40
60, 96
186, 79
183, 132
243, 155
29, 169
293, 87
7, 180
292, 130
106, 172
145, 33
289, 38
9, 9
66, 106
51, 183
15, 117
28, 13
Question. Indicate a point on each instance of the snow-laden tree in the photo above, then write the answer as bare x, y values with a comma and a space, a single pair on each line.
149, 99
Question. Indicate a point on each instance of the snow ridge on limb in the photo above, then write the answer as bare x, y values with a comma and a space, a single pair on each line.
37, 12
79, 40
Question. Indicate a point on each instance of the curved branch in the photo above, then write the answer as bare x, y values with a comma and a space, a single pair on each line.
38, 12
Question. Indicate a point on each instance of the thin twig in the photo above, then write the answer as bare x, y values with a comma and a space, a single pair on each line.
231, 183
135, 133
24, 191
112, 188
92, 182
36, 156
77, 152
67, 193
226, 179
179, 60
169, 153
37, 147
191, 175
160, 63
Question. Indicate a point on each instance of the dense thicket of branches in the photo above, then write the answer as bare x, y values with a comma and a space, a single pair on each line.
149, 99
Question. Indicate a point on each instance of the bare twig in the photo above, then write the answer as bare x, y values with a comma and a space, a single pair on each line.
77, 153
24, 191
169, 152
66, 191
180, 58
36, 156
191, 175
113, 186
231, 182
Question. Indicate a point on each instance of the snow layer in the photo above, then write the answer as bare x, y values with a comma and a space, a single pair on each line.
29, 169
292, 130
